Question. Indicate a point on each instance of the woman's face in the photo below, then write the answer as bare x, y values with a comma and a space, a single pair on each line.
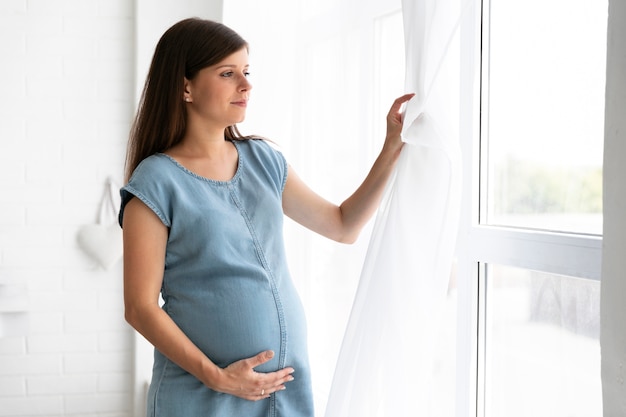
219, 94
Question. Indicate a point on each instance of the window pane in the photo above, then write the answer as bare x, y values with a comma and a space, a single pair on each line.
545, 124
542, 345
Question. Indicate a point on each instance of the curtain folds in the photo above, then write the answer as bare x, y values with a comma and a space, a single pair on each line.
385, 363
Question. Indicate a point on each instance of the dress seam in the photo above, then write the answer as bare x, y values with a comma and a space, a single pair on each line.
158, 388
282, 355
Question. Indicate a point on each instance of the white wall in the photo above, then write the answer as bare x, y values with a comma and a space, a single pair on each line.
613, 314
66, 89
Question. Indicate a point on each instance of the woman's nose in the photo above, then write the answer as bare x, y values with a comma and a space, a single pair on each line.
245, 84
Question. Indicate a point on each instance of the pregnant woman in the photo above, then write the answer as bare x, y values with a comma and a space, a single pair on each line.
202, 215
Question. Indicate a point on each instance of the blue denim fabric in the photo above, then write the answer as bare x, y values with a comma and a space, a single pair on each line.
226, 282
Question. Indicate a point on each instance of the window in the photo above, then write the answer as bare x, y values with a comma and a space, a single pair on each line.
542, 356
530, 242
545, 121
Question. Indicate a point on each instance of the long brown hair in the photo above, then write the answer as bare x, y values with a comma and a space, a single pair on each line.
183, 50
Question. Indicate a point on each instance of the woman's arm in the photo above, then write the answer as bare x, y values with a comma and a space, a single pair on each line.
344, 222
145, 239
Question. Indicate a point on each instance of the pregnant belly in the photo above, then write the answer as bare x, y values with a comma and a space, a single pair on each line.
234, 322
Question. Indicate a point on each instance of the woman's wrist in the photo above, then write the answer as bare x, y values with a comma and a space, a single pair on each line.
392, 148
212, 375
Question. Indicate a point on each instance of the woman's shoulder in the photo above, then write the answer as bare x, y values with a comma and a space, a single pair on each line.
263, 156
262, 148
152, 165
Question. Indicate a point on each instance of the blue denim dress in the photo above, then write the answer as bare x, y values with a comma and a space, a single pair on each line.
226, 283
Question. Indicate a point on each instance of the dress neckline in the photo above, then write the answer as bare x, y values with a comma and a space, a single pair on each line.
234, 178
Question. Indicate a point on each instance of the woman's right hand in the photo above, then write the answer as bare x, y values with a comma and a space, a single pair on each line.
395, 122
241, 380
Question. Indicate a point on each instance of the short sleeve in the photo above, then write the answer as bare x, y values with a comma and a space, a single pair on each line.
150, 184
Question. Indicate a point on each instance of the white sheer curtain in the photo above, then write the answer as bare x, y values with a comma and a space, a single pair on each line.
324, 76
386, 360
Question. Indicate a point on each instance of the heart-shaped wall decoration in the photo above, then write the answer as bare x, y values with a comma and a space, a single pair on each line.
103, 241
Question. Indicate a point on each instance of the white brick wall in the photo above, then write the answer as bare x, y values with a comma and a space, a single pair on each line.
66, 101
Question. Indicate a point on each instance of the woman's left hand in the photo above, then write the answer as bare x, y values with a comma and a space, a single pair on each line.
394, 122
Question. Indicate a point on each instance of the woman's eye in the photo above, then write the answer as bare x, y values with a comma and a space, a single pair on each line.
229, 74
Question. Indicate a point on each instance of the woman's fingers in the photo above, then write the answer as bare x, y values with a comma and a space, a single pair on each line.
272, 387
394, 121
260, 359
397, 104
269, 383
251, 385
394, 117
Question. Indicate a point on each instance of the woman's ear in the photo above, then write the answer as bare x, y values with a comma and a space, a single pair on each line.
186, 91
